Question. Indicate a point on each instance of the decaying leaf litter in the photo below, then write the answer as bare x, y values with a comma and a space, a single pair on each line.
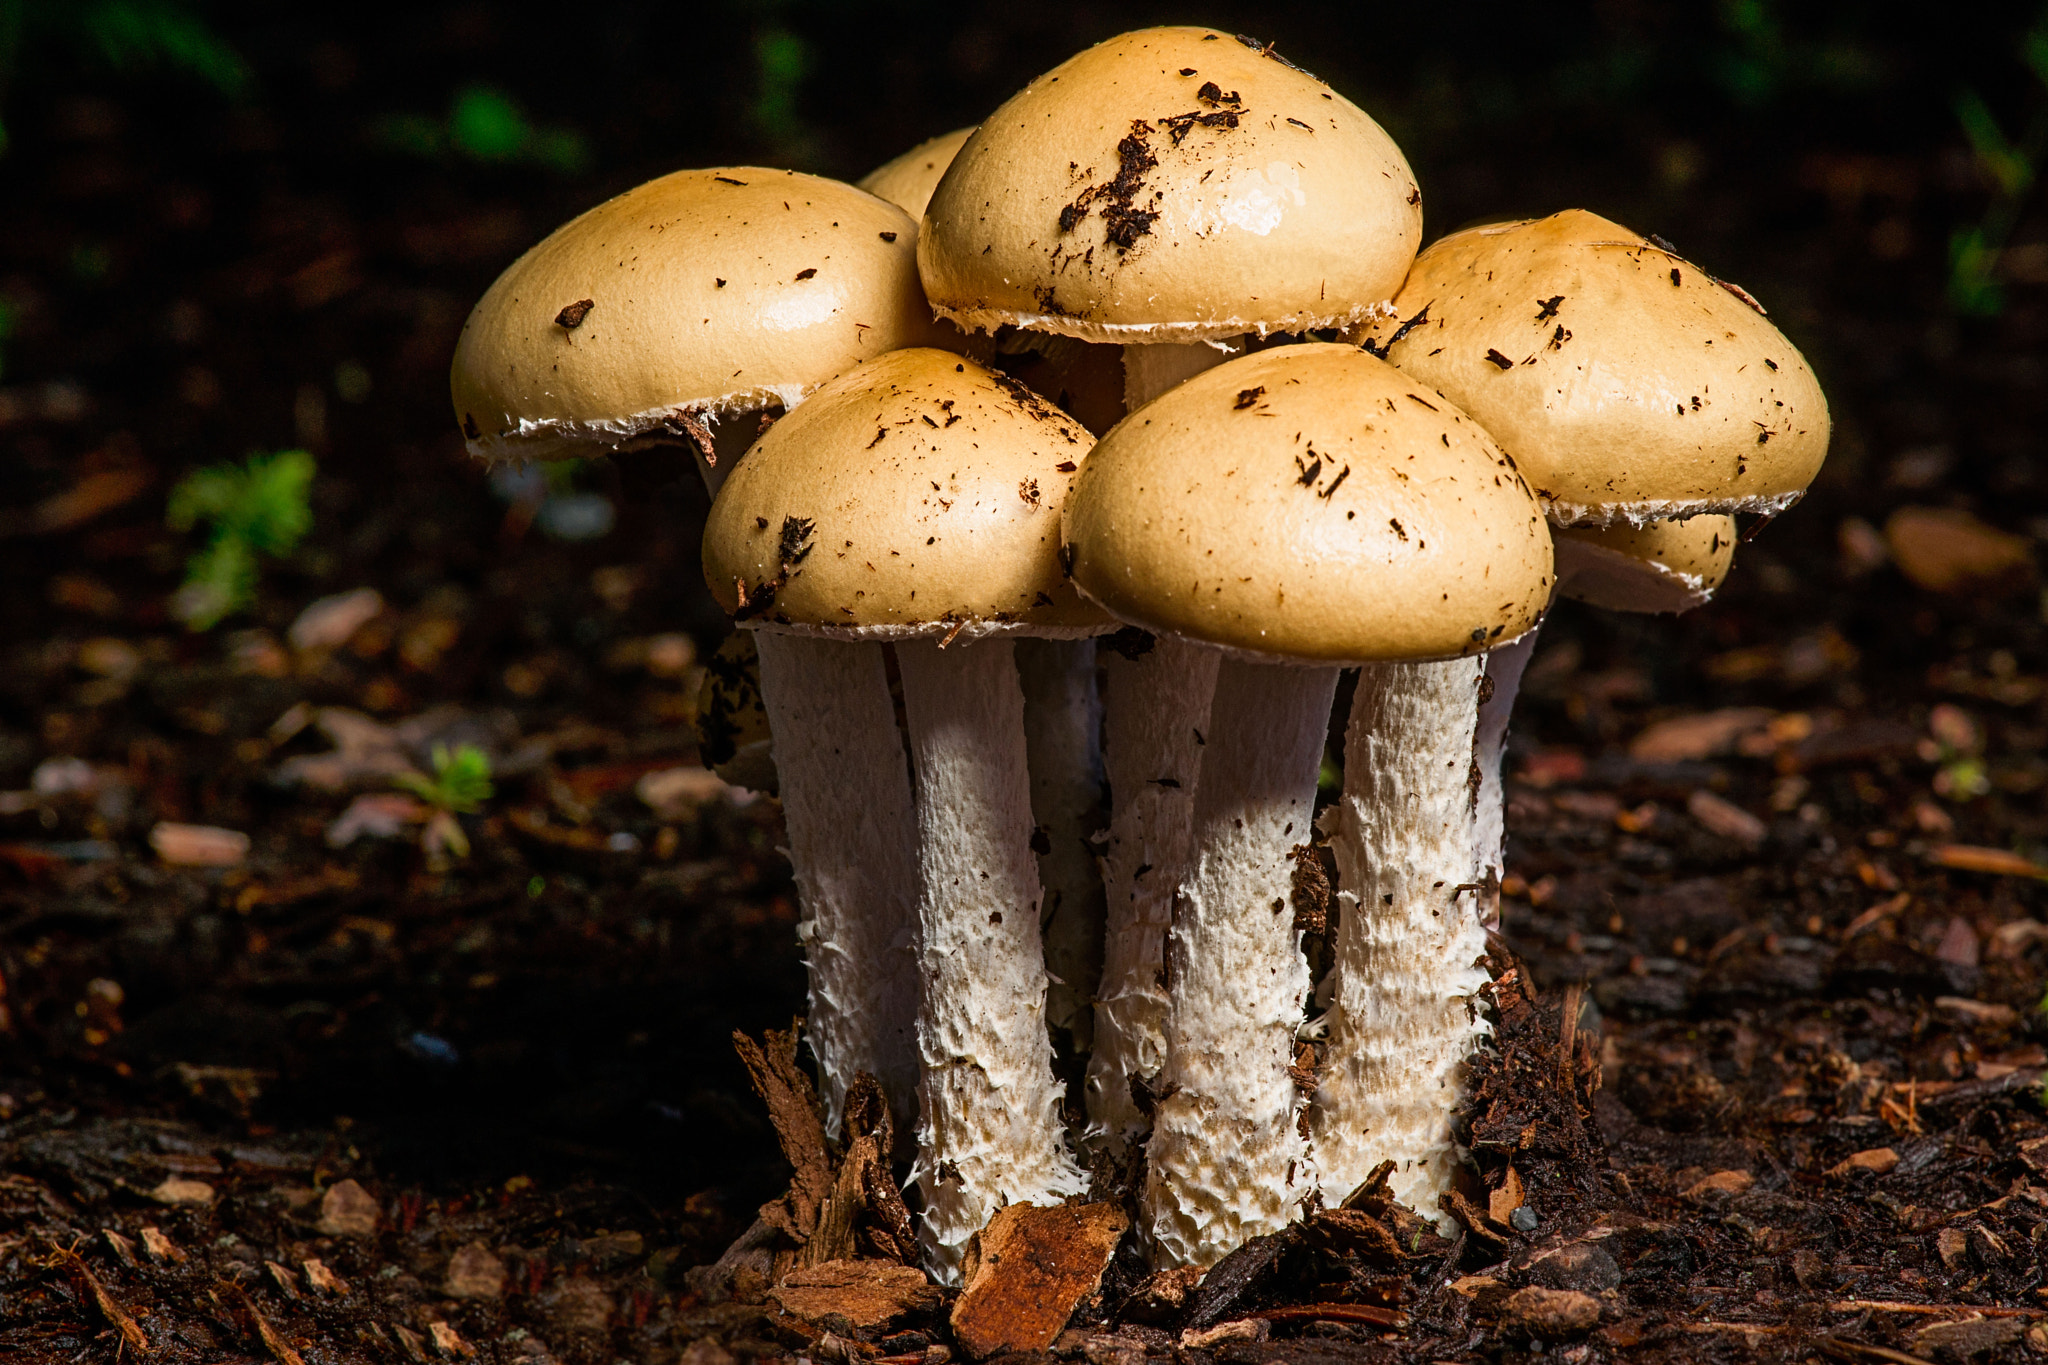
1768, 1073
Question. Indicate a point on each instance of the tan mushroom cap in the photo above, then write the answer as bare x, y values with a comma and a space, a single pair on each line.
917, 495
1664, 566
714, 291
908, 180
1314, 503
1172, 184
1629, 383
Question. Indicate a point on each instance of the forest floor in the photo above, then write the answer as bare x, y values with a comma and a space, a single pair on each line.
339, 1102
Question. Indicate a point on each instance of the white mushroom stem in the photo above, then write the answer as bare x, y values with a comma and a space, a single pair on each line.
845, 787
991, 1131
1405, 1017
1226, 1161
1151, 370
1504, 668
1156, 705
1157, 717
1063, 742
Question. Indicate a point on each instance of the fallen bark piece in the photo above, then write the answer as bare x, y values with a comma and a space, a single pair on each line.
415, 1349
322, 1280
866, 1293
1687, 739
348, 1210
1997, 862
1552, 1313
1720, 1183
1238, 1329
280, 1347
287, 1283
474, 1273
1028, 1270
160, 1248
198, 845
1876, 1160
1725, 818
109, 1307
1945, 549
1369, 1314
1967, 1337
175, 1189
123, 1249
448, 1342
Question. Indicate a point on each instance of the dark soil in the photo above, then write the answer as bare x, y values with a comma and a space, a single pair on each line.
528, 1051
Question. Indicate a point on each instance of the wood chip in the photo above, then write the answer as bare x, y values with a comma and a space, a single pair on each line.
1945, 549
1725, 818
1684, 739
1995, 861
176, 1189
160, 1248
287, 1283
347, 1210
411, 1343
867, 1293
123, 1249
474, 1273
280, 1347
321, 1280
198, 845
1720, 1183
448, 1342
109, 1308
1028, 1270
1877, 1161
1502, 1203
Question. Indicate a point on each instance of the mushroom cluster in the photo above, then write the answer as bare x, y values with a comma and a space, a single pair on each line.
1060, 472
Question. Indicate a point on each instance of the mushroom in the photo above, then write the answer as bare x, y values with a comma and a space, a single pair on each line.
907, 181
1293, 511
1630, 386
916, 500
1170, 190
1062, 707
691, 300
660, 316
1664, 566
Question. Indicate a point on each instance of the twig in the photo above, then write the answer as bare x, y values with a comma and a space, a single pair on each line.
110, 1309
1891, 1306
1843, 1349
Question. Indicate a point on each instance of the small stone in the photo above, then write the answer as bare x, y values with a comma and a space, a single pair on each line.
1523, 1219
1967, 1338
674, 793
347, 1210
474, 1273
176, 1189
1876, 1160
1552, 1313
1719, 1185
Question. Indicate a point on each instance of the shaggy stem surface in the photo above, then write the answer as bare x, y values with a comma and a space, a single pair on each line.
991, 1130
1226, 1160
1404, 1018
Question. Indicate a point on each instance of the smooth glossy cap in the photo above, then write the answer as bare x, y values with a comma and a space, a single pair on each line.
1313, 503
916, 495
703, 292
1664, 566
1630, 384
908, 181
1172, 184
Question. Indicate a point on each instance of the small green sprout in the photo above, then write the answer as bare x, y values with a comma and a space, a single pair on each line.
485, 125
460, 785
256, 508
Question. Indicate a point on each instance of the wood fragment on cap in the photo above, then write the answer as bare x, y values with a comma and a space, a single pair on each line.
1028, 1270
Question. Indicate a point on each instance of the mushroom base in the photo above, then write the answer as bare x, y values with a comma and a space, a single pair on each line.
1227, 1161
991, 1131
1405, 1016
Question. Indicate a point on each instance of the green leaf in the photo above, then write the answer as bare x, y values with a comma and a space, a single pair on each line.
257, 507
487, 125
133, 34
461, 782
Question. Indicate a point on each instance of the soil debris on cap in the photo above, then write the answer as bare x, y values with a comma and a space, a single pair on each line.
571, 317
